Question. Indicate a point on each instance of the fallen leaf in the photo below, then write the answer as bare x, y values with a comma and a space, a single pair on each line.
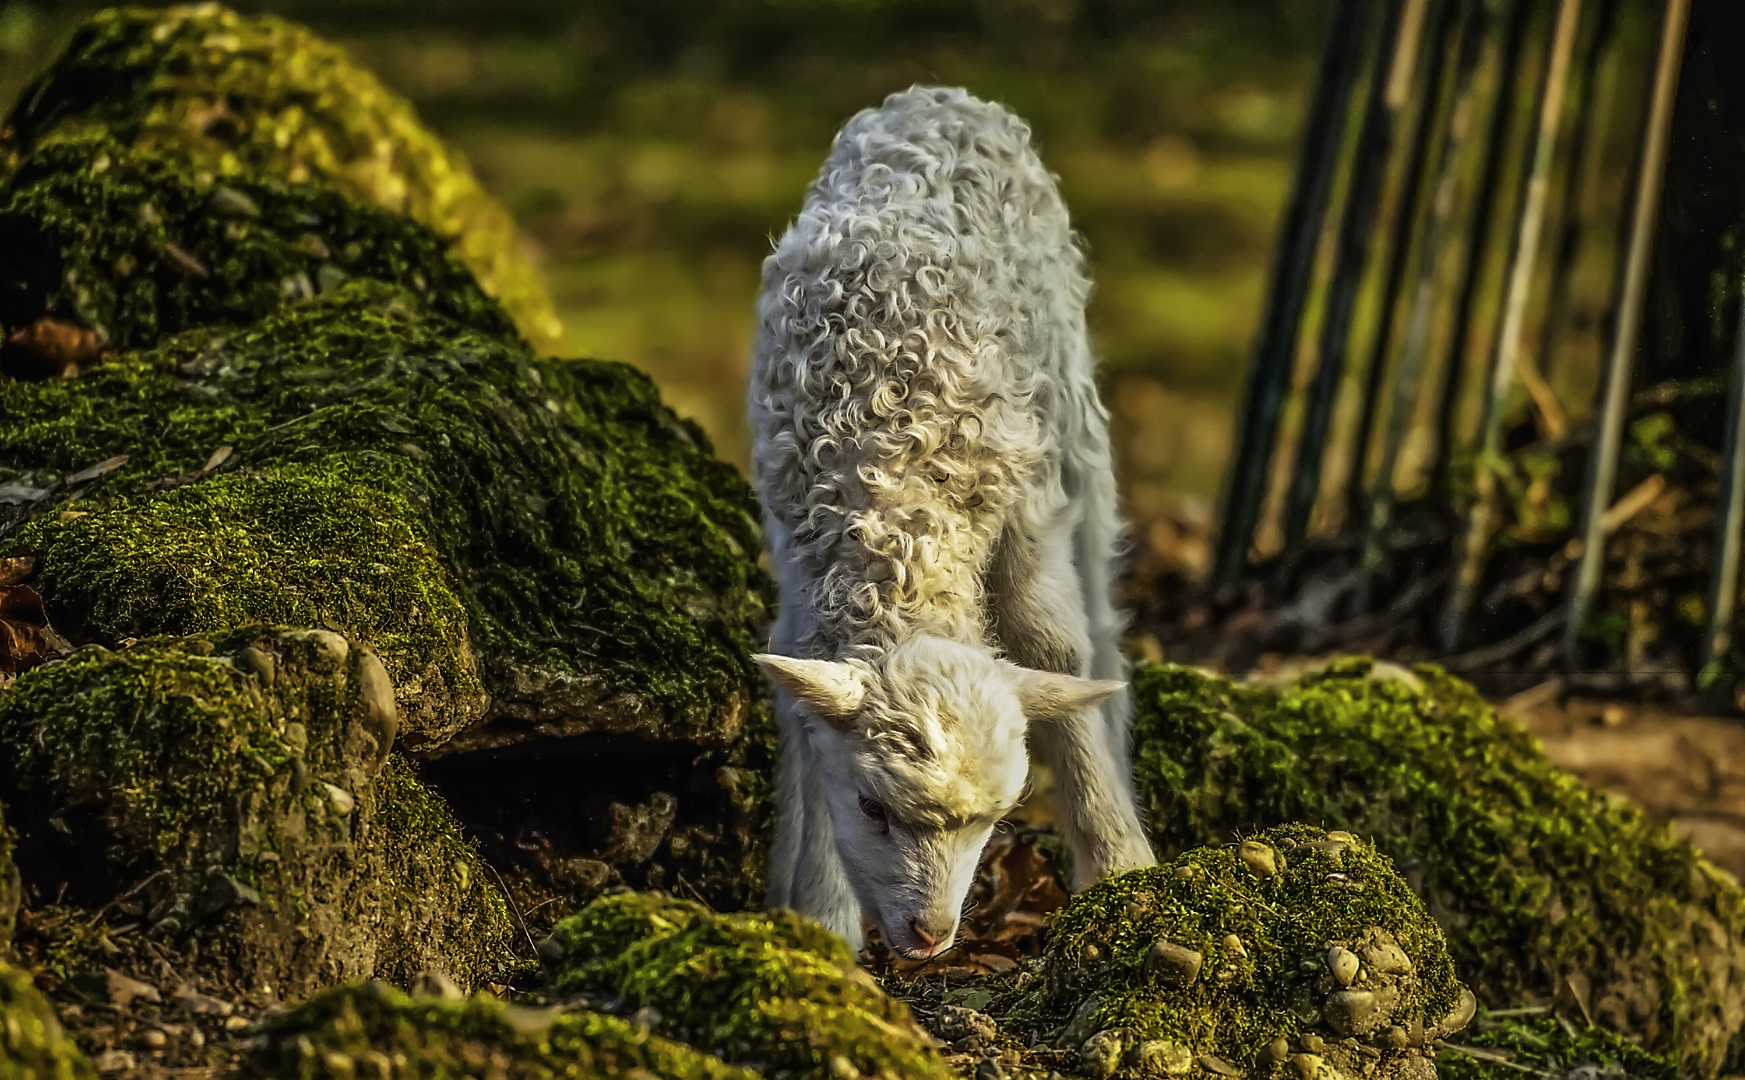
26, 638
51, 348
101, 469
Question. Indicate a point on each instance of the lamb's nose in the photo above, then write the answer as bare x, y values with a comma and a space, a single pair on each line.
930, 936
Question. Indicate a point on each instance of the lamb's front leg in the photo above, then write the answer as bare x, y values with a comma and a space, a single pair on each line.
805, 871
1039, 615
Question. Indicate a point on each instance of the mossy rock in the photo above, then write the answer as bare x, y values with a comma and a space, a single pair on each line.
1545, 888
372, 1029
32, 1044
1294, 946
242, 786
1503, 1047
237, 96
137, 246
429, 490
772, 991
11, 889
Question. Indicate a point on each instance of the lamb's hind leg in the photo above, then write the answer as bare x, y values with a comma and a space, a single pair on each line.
1039, 616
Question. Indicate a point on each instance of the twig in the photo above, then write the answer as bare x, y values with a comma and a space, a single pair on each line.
510, 900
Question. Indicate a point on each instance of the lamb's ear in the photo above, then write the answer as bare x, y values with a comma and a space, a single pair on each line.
831, 689
1048, 696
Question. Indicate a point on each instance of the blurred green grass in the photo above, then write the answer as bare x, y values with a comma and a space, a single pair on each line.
652, 150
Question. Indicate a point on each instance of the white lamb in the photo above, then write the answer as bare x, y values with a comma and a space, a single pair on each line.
940, 509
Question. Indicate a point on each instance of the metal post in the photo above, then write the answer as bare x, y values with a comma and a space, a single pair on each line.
1724, 589
1400, 246
1621, 364
1484, 208
1293, 264
1417, 344
1585, 145
1475, 539
1395, 52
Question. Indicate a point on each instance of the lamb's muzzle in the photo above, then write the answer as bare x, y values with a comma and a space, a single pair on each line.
941, 515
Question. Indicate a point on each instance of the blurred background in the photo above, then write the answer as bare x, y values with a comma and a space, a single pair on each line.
651, 150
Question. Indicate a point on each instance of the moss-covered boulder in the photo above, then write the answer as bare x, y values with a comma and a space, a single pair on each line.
254, 96
772, 991
1504, 1047
242, 787
426, 488
1294, 945
1546, 889
137, 246
32, 1044
11, 887
372, 1029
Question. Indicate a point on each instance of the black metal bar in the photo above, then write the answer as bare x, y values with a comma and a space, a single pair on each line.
1724, 587
1585, 146
1399, 248
1621, 364
1293, 266
1484, 207
1356, 227
1402, 407
1505, 351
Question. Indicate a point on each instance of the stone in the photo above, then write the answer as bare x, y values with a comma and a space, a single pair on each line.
1343, 963
1100, 1055
1173, 966
1160, 1056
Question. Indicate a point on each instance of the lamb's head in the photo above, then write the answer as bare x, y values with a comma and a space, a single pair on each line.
920, 753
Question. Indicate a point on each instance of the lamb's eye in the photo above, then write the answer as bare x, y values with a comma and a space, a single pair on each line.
875, 810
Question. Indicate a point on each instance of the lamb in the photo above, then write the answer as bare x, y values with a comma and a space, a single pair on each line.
941, 517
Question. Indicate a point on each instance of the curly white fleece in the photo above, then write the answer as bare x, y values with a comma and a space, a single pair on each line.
923, 371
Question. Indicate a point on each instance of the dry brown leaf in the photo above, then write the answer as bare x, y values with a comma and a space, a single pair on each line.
26, 638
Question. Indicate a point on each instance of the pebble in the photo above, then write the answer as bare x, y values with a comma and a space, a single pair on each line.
1233, 945
1307, 1065
1397, 1037
1259, 858
1342, 962
1352, 1012
1173, 966
1161, 1056
1212, 1063
1080, 1026
155, 1040
235, 1023
1274, 1052
1383, 954
1313, 1042
957, 1024
432, 983
1341, 836
1461, 1016
257, 663
989, 1069
1100, 1055
229, 202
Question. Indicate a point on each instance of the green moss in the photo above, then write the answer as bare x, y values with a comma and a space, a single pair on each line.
237, 96
146, 247
603, 557
32, 1044
772, 990
232, 782
296, 545
1535, 878
1227, 949
11, 890
441, 906
372, 1029
1551, 1047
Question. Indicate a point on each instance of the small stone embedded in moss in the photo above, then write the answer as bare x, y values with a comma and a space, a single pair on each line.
1534, 875
257, 817
238, 96
772, 991
32, 1044
141, 252
372, 1029
1117, 961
